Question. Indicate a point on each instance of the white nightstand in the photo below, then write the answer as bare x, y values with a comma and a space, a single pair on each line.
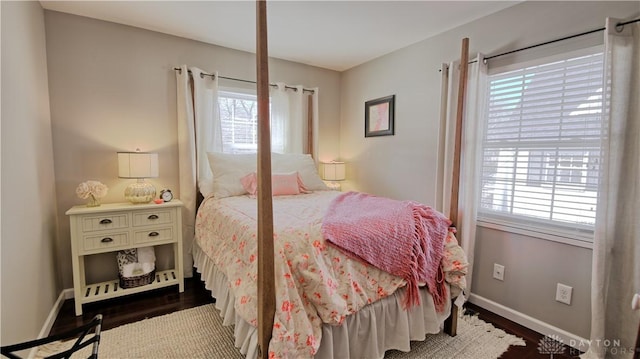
117, 226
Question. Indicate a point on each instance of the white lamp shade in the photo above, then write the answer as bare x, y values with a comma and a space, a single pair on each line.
333, 171
137, 165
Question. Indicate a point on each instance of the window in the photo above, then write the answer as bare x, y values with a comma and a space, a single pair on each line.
239, 118
541, 145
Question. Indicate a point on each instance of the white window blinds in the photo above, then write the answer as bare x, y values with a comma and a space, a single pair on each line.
239, 119
541, 146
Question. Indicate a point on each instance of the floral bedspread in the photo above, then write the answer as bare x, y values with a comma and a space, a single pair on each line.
315, 282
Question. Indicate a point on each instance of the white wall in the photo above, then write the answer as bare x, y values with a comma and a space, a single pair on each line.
28, 235
404, 166
113, 88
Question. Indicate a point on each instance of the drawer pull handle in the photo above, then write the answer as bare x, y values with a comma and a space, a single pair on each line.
154, 234
106, 240
106, 221
153, 216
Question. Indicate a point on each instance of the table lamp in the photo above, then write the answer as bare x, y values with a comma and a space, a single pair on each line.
333, 171
139, 165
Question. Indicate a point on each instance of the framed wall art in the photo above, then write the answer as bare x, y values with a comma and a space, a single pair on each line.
379, 116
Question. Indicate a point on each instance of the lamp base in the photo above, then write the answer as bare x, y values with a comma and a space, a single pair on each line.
140, 192
334, 186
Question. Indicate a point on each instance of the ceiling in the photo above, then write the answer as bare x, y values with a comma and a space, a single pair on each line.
335, 35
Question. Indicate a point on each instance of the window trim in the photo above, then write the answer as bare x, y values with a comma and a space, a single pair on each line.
237, 91
545, 59
565, 237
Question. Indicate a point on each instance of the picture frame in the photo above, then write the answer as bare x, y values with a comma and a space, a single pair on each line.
379, 116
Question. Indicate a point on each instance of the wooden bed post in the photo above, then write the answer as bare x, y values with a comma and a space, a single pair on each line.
462, 91
451, 324
310, 125
266, 271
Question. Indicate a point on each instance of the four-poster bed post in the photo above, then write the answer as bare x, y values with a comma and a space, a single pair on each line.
451, 324
266, 271
462, 90
310, 126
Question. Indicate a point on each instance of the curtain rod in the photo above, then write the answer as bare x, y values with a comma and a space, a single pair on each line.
247, 81
620, 24
552, 41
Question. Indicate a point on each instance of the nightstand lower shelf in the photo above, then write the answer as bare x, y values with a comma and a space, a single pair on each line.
111, 289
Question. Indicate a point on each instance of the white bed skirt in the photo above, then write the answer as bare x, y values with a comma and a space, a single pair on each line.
376, 328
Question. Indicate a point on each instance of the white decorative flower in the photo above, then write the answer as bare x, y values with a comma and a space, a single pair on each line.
91, 188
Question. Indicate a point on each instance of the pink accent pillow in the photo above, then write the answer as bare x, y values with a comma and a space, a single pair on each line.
281, 184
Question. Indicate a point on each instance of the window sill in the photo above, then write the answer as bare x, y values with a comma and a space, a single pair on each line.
526, 231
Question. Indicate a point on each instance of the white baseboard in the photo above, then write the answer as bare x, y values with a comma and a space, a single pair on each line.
53, 314
539, 326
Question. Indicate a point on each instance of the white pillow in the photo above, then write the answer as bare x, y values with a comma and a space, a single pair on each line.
303, 164
205, 186
228, 169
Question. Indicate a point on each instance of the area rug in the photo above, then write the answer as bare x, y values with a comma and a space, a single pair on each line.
198, 333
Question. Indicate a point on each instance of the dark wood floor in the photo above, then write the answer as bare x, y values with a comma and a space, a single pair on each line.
132, 308
532, 338
136, 307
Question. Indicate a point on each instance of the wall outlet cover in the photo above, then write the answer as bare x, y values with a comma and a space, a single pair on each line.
563, 293
498, 271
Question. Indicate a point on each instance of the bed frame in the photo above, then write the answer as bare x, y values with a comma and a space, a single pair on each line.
266, 269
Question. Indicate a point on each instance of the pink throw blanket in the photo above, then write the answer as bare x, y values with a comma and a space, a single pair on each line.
403, 238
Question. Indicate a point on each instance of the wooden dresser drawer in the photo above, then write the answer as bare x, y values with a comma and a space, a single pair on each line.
152, 217
105, 222
106, 241
153, 235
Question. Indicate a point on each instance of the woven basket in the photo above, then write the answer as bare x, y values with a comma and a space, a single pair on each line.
137, 281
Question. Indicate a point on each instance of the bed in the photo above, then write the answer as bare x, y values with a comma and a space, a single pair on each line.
329, 305
371, 319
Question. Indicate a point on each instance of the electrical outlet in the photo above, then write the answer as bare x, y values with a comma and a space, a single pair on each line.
498, 271
563, 293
